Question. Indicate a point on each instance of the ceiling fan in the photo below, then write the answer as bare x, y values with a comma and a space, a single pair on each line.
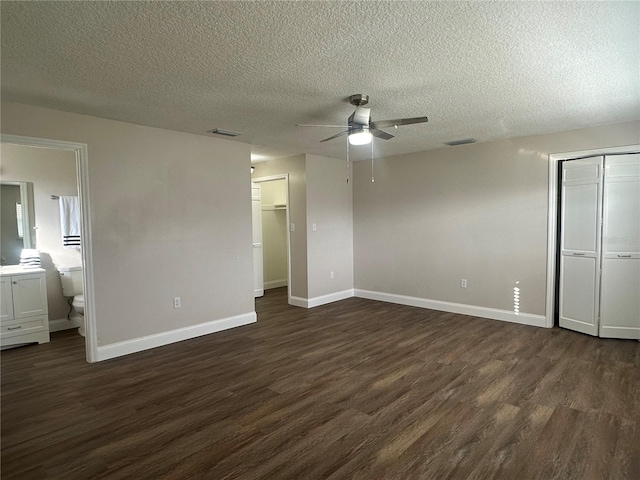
360, 128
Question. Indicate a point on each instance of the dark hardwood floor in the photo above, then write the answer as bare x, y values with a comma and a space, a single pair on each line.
352, 390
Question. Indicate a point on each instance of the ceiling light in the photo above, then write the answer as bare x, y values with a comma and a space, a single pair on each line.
361, 137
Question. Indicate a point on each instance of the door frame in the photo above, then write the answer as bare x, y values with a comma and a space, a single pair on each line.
552, 217
285, 177
82, 179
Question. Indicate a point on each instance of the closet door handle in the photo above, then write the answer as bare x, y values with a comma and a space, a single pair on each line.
624, 256
14, 328
579, 254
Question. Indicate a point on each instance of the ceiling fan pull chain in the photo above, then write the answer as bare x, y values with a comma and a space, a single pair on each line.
372, 176
348, 169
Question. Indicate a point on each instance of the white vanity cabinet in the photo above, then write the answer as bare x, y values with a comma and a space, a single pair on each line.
23, 306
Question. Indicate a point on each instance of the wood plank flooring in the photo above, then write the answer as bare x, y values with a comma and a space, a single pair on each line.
352, 390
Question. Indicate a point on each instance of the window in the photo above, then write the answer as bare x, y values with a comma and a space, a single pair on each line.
19, 219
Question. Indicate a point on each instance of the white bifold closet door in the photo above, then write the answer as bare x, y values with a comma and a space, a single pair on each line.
580, 242
256, 216
600, 246
620, 290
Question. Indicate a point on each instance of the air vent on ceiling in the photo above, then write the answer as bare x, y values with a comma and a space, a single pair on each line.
461, 142
226, 133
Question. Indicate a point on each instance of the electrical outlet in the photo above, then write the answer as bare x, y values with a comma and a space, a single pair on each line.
332, 275
176, 302
293, 227
463, 283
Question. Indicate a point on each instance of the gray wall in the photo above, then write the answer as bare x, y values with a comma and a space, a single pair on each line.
171, 216
330, 207
477, 212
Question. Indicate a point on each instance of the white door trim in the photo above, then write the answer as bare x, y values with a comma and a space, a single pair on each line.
82, 169
552, 217
285, 177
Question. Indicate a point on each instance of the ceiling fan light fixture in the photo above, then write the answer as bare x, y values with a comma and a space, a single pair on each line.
361, 137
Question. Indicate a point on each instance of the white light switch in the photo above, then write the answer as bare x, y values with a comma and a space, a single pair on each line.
314, 227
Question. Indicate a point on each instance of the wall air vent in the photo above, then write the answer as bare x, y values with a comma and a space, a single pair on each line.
461, 142
225, 133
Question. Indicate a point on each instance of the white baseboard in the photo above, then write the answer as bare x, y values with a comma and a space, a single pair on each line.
483, 312
275, 284
299, 302
322, 300
63, 324
330, 298
134, 345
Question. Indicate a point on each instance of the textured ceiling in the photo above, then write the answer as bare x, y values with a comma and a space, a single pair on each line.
487, 70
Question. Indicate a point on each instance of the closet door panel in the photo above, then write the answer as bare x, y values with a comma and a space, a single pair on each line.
580, 218
620, 294
620, 298
258, 254
579, 292
622, 216
580, 244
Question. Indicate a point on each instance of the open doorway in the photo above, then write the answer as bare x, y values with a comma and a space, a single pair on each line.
274, 211
51, 174
55, 170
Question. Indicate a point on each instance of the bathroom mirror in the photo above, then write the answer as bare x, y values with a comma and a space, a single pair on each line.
17, 232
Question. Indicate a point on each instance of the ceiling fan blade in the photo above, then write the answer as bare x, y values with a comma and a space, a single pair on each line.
398, 122
335, 136
327, 126
381, 134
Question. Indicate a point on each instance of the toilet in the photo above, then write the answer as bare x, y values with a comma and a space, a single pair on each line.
71, 280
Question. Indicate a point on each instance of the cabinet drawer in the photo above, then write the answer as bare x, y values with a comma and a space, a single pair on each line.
23, 326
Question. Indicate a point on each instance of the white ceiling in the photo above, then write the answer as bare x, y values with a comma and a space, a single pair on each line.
487, 70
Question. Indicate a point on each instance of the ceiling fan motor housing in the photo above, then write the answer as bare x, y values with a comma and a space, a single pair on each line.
360, 117
359, 99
